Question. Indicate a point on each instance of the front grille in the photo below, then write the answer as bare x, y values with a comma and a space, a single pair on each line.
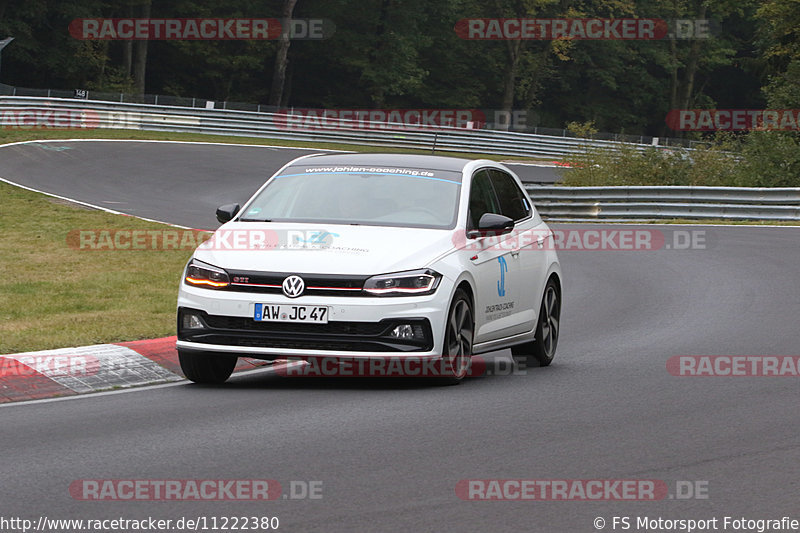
302, 344
316, 284
331, 328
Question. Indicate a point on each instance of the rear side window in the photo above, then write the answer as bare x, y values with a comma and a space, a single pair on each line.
514, 202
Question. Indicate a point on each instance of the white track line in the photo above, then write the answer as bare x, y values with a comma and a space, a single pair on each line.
112, 211
175, 142
85, 204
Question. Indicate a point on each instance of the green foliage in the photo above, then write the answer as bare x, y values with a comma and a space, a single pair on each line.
780, 25
582, 129
628, 166
758, 159
783, 90
771, 159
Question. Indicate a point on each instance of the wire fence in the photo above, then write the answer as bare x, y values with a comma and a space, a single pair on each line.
180, 101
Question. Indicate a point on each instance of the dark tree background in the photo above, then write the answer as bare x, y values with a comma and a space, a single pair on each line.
406, 54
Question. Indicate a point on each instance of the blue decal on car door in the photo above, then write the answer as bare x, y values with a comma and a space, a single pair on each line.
501, 285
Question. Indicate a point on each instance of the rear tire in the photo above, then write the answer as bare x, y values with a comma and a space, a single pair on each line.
543, 348
206, 368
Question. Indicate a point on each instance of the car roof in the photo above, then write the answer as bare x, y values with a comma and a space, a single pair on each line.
432, 162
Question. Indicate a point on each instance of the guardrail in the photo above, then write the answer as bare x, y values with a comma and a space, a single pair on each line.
664, 202
732, 203
102, 114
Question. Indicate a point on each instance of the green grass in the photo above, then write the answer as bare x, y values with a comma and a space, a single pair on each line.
54, 295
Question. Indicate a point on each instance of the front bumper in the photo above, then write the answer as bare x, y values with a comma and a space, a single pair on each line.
357, 327
333, 336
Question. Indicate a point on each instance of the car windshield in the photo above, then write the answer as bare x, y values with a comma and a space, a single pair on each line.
385, 196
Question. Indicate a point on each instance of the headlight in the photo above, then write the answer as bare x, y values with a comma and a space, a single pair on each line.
201, 274
410, 283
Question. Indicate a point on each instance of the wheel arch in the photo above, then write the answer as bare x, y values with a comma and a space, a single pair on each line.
554, 273
467, 287
557, 279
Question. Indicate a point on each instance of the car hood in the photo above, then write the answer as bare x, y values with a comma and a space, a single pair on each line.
323, 249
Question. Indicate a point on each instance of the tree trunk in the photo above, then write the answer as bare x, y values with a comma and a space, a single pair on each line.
378, 91
127, 47
682, 86
127, 57
140, 67
692, 65
510, 81
281, 58
514, 49
287, 89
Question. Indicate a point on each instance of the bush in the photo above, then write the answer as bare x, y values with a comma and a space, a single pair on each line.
758, 159
771, 159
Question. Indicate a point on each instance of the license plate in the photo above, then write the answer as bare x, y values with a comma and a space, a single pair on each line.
291, 313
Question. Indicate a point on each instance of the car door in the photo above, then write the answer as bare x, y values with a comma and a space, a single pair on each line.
495, 269
529, 249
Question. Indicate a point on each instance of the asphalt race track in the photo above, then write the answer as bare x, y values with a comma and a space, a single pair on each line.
174, 182
390, 452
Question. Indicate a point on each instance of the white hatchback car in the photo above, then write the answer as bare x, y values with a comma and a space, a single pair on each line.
365, 256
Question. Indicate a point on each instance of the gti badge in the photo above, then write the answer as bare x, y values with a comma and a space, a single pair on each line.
293, 286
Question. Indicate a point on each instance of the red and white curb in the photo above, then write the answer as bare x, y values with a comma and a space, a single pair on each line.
71, 371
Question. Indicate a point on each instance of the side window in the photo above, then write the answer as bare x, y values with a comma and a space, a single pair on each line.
482, 198
513, 202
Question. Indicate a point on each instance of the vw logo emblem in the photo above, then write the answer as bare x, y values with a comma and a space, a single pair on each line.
293, 286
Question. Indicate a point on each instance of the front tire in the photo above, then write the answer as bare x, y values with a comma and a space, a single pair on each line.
543, 348
459, 332
206, 368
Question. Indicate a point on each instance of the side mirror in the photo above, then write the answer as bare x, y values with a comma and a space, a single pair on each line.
492, 224
226, 212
